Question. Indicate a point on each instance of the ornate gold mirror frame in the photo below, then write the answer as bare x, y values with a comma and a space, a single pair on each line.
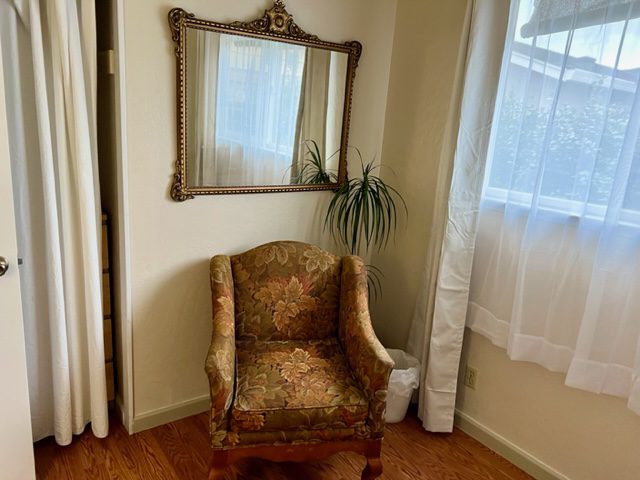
278, 25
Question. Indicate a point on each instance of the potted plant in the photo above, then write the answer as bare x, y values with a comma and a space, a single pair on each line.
363, 213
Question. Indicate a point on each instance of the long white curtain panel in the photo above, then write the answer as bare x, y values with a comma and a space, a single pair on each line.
49, 47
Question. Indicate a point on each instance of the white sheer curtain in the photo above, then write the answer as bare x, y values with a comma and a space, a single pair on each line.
259, 84
206, 50
50, 75
556, 275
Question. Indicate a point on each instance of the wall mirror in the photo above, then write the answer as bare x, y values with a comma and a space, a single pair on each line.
263, 106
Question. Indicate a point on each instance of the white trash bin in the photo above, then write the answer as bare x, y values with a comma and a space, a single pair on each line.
403, 381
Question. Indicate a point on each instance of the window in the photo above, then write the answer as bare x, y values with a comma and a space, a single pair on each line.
556, 272
261, 119
565, 134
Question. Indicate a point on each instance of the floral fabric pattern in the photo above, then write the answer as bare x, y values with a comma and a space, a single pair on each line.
221, 357
289, 385
368, 359
293, 356
286, 291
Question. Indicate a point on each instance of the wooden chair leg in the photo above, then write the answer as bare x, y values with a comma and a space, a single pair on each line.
219, 464
373, 469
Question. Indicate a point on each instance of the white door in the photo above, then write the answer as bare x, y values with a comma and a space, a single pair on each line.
16, 447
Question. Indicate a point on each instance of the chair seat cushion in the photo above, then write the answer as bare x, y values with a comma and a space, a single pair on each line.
295, 385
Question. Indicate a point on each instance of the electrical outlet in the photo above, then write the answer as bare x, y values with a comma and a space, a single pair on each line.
471, 377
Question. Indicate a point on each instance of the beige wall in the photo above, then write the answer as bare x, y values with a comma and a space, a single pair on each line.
581, 435
422, 76
170, 243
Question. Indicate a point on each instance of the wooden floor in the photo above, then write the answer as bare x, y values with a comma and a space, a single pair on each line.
180, 451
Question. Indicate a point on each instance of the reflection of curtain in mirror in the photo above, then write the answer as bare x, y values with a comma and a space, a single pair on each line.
335, 108
321, 107
312, 114
207, 48
257, 108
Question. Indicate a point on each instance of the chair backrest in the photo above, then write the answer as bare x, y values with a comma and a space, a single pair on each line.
286, 291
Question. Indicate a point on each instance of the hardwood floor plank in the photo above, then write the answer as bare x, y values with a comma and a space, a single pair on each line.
94, 454
176, 441
124, 451
49, 460
180, 451
158, 466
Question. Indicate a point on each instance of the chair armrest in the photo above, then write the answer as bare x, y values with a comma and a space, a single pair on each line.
220, 363
366, 356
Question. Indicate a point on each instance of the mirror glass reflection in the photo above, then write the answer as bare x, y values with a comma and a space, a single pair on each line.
261, 112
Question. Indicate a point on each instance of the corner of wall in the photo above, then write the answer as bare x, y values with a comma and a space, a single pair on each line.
122, 287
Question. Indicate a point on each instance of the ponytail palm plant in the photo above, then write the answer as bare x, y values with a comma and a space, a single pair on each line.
363, 213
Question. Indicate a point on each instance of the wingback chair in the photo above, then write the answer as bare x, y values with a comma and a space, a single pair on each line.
295, 369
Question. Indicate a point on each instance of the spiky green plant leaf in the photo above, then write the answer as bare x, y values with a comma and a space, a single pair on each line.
313, 170
363, 212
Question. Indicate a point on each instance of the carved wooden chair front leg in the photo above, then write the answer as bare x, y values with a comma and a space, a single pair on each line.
219, 464
373, 469
374, 464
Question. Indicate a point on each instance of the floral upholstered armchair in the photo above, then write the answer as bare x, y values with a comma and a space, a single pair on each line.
295, 369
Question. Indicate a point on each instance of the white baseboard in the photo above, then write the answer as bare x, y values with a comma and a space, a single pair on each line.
170, 413
503, 447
